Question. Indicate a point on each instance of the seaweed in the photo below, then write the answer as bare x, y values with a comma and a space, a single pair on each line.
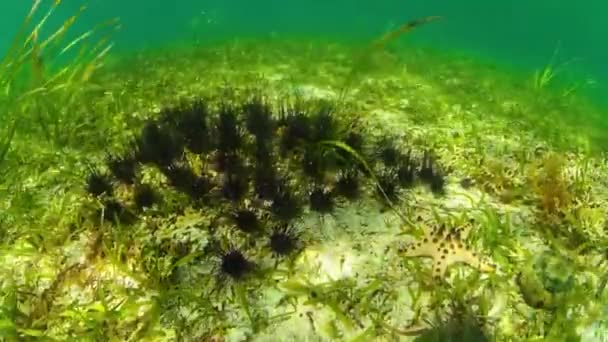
6, 141
551, 187
168, 252
363, 59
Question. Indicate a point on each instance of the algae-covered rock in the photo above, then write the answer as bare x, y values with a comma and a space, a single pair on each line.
545, 279
453, 331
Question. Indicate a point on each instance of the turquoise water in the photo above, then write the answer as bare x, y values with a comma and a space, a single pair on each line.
523, 33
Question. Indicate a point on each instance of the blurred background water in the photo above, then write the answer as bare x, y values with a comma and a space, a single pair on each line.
520, 33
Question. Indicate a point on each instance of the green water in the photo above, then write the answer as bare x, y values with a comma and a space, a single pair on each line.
523, 33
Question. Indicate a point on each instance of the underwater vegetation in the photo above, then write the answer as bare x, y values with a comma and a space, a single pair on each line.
549, 183
245, 189
197, 200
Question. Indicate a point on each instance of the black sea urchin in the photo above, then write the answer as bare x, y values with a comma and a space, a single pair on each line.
229, 136
314, 163
387, 152
229, 162
297, 131
158, 145
345, 159
234, 187
406, 171
184, 180
348, 185
144, 196
266, 184
323, 125
98, 184
354, 140
191, 122
431, 174
258, 119
321, 201
387, 186
123, 167
263, 155
235, 265
284, 205
114, 211
246, 221
283, 241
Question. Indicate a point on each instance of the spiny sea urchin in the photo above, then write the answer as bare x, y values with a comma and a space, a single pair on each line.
431, 174
98, 184
234, 264
144, 196
123, 167
387, 186
387, 152
114, 211
283, 240
229, 162
285, 206
406, 171
348, 185
191, 122
354, 140
246, 220
228, 130
234, 187
321, 200
314, 163
158, 145
258, 119
323, 125
297, 130
266, 183
184, 180
344, 159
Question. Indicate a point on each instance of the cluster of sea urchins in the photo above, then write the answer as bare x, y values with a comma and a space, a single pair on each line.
262, 164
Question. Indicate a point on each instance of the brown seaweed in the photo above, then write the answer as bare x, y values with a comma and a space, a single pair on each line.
378, 45
405, 28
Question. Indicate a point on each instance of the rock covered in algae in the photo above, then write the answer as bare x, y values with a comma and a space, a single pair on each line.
455, 331
546, 278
